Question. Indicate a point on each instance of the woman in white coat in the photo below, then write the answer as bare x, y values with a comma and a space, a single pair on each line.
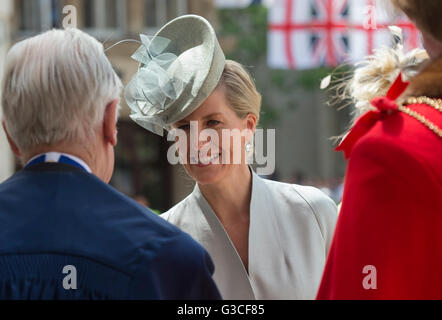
268, 240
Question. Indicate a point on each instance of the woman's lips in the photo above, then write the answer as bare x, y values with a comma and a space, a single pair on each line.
206, 161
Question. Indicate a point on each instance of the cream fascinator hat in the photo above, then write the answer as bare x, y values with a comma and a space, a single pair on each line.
179, 68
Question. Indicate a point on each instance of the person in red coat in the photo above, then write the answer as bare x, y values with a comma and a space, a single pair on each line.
388, 240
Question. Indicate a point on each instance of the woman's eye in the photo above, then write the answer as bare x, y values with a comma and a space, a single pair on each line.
184, 127
213, 122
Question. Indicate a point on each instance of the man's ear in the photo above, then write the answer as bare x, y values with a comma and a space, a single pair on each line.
110, 122
12, 144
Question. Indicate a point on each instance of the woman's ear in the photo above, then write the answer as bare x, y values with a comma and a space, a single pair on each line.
110, 122
252, 122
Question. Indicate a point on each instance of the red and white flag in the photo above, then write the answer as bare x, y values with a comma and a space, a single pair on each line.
306, 34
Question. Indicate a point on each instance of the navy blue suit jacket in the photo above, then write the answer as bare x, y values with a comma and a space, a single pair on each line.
55, 215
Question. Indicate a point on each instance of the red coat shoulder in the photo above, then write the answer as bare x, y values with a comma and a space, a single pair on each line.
407, 136
391, 215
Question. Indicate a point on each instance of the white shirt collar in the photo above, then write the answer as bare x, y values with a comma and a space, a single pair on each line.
55, 157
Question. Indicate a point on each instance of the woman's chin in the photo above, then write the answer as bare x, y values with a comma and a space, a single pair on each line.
206, 174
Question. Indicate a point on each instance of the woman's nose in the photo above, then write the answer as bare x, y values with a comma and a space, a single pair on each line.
195, 133
198, 139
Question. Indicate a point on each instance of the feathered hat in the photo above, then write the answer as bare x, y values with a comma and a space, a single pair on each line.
179, 68
374, 76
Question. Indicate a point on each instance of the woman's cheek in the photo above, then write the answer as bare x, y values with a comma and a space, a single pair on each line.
183, 149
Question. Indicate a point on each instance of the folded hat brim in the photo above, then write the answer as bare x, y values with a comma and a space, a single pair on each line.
200, 63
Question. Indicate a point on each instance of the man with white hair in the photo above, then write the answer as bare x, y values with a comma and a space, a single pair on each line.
64, 232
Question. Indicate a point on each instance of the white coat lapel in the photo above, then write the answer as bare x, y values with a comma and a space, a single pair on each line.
267, 266
230, 275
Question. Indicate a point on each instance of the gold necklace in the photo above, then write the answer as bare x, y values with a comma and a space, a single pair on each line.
434, 103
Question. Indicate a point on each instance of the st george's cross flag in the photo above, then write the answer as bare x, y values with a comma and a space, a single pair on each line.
307, 34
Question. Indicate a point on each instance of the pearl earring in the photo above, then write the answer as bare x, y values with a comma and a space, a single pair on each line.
248, 147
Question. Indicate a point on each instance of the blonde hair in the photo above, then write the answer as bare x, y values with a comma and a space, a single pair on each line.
240, 90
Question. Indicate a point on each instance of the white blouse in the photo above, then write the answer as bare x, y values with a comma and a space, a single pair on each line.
291, 228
